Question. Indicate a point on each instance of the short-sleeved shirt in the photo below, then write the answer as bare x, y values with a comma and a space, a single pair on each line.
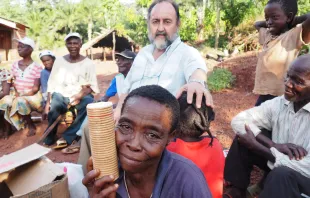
4, 76
210, 160
45, 74
68, 78
177, 177
112, 90
171, 70
275, 59
116, 85
24, 80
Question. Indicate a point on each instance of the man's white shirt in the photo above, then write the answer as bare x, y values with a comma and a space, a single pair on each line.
171, 70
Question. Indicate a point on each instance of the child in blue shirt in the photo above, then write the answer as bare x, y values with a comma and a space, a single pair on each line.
47, 58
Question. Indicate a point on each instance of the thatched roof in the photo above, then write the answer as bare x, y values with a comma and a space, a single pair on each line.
105, 39
10, 23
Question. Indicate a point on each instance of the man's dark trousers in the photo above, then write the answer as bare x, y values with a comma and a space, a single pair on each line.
59, 106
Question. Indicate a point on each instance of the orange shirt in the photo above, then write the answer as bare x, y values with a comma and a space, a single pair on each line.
209, 159
275, 58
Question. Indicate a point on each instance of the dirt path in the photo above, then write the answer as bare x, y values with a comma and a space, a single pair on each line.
227, 104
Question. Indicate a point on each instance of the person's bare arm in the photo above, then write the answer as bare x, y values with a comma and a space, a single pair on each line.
5, 89
291, 150
260, 24
306, 28
300, 19
75, 99
249, 141
105, 98
35, 88
47, 106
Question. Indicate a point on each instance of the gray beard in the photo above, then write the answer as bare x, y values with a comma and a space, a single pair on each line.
163, 44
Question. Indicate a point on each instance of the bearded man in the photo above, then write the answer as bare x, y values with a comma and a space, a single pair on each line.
167, 61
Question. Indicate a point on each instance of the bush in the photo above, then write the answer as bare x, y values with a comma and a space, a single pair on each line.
220, 79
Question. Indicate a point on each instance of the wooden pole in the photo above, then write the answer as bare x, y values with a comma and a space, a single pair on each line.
104, 55
91, 53
114, 43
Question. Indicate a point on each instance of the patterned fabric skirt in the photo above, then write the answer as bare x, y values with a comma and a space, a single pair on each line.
15, 107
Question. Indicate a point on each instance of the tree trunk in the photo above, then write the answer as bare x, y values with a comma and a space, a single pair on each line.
114, 43
104, 55
201, 17
208, 3
217, 25
89, 32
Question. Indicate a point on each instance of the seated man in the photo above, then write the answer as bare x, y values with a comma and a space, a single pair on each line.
149, 117
71, 83
205, 151
124, 62
287, 151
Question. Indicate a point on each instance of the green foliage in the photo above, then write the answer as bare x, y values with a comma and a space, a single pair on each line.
144, 3
220, 79
235, 12
50, 20
303, 6
209, 21
223, 41
189, 25
11, 9
136, 27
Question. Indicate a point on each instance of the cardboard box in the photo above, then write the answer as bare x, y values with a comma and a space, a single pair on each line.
27, 173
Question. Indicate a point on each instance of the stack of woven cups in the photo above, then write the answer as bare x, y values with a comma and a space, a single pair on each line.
102, 138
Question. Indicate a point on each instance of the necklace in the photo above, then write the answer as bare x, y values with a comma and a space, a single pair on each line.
146, 80
127, 187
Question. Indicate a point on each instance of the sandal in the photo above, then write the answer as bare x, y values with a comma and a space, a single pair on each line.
253, 191
61, 143
70, 150
73, 148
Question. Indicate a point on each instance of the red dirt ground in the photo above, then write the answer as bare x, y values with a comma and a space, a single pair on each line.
227, 104
230, 102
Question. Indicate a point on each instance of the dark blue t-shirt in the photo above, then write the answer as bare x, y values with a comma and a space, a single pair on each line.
177, 177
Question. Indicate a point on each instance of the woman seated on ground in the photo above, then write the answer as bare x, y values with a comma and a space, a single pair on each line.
26, 82
149, 117
4, 90
205, 151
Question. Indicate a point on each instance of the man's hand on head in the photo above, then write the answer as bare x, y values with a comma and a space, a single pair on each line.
196, 88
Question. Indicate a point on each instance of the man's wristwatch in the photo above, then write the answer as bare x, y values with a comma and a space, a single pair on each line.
202, 82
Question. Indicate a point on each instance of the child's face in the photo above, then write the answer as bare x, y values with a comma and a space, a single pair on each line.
276, 18
48, 62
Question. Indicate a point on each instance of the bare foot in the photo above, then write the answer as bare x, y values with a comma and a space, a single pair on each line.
32, 131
